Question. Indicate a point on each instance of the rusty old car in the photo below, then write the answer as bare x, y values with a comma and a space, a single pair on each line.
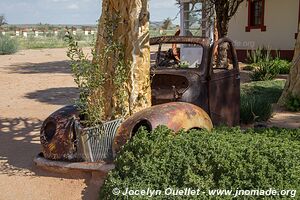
189, 90
216, 89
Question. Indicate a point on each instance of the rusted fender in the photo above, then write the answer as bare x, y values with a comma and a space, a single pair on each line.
57, 136
174, 115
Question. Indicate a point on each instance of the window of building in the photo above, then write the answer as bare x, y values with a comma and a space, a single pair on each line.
192, 17
256, 12
196, 18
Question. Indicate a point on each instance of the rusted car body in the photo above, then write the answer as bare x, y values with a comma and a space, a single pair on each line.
174, 115
57, 136
184, 97
216, 90
60, 140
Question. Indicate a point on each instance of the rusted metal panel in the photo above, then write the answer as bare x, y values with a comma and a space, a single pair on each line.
180, 39
224, 89
174, 115
217, 91
57, 136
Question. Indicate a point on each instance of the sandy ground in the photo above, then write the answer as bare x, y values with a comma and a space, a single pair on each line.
33, 84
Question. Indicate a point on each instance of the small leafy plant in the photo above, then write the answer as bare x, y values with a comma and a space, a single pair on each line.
283, 66
184, 65
293, 103
257, 99
261, 60
265, 71
89, 78
8, 45
261, 54
106, 68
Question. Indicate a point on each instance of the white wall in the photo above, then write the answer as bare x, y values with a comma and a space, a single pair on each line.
281, 20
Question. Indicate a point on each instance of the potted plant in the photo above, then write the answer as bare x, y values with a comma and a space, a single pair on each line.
95, 130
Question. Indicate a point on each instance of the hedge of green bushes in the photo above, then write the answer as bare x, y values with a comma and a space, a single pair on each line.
8, 45
223, 159
257, 99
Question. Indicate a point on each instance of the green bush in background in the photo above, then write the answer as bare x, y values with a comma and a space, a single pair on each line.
257, 99
283, 66
223, 159
266, 66
41, 42
32, 42
261, 54
8, 45
264, 71
293, 103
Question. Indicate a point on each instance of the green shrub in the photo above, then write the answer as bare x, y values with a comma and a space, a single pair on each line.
32, 42
262, 60
283, 66
257, 99
223, 159
248, 68
293, 103
265, 71
61, 35
261, 54
79, 37
8, 45
41, 42
255, 109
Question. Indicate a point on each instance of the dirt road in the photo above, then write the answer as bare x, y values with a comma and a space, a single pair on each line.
33, 84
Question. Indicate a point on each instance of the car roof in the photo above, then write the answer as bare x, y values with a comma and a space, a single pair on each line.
203, 41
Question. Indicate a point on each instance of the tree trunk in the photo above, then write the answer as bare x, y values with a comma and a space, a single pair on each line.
222, 30
292, 85
123, 52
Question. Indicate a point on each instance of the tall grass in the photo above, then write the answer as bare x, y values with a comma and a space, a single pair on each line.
257, 99
50, 42
265, 66
8, 45
41, 42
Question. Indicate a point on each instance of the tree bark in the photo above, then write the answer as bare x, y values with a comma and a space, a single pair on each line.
126, 23
222, 23
292, 86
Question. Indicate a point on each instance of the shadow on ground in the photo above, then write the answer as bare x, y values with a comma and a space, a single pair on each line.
55, 96
19, 140
19, 144
62, 67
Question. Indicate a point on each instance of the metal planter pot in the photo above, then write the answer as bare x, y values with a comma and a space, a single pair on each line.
95, 143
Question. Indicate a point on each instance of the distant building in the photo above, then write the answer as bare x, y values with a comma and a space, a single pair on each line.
2, 31
55, 31
270, 23
273, 24
87, 30
17, 32
36, 32
74, 30
25, 32
161, 31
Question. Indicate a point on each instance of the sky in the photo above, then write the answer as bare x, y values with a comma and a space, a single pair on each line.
72, 11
